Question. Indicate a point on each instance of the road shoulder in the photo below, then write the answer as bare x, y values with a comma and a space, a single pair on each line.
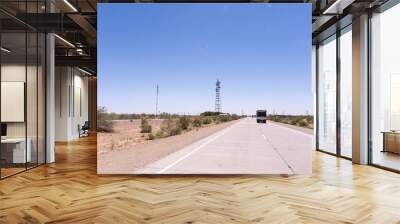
127, 161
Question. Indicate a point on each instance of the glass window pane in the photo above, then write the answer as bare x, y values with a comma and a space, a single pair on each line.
346, 93
13, 86
31, 97
41, 98
22, 90
327, 95
385, 84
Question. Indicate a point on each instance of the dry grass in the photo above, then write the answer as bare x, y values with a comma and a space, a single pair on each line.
126, 133
305, 121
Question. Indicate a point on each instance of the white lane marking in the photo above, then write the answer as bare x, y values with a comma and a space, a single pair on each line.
279, 153
293, 130
218, 134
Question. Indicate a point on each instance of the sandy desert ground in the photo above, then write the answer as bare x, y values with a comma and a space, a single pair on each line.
126, 135
126, 149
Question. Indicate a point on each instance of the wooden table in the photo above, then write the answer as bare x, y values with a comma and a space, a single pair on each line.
13, 150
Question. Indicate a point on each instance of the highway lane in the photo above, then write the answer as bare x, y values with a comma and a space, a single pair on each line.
243, 148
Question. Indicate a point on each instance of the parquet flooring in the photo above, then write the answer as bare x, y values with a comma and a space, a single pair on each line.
70, 191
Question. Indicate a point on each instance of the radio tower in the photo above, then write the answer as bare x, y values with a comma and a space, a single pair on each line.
218, 96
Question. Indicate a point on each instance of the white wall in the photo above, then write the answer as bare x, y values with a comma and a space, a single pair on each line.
80, 110
17, 73
12, 73
71, 93
62, 82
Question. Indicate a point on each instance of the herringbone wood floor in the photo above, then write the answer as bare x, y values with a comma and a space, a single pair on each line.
69, 191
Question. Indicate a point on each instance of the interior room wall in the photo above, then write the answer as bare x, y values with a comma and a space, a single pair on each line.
62, 81
71, 86
15, 73
18, 73
80, 109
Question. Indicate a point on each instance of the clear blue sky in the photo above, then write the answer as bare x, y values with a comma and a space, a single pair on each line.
261, 53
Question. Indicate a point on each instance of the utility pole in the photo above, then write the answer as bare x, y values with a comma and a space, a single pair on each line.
157, 102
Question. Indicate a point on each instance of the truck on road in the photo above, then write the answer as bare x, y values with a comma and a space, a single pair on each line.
261, 116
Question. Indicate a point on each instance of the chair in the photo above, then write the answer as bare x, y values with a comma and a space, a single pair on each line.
84, 130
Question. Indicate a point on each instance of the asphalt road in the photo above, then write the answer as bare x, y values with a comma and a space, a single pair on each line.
243, 148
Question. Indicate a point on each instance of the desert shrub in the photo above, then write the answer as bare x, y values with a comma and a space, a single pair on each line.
235, 117
168, 124
167, 129
224, 118
206, 120
160, 133
183, 123
217, 120
103, 124
197, 122
145, 127
298, 120
276, 119
310, 119
210, 113
167, 115
302, 123
175, 131
150, 137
